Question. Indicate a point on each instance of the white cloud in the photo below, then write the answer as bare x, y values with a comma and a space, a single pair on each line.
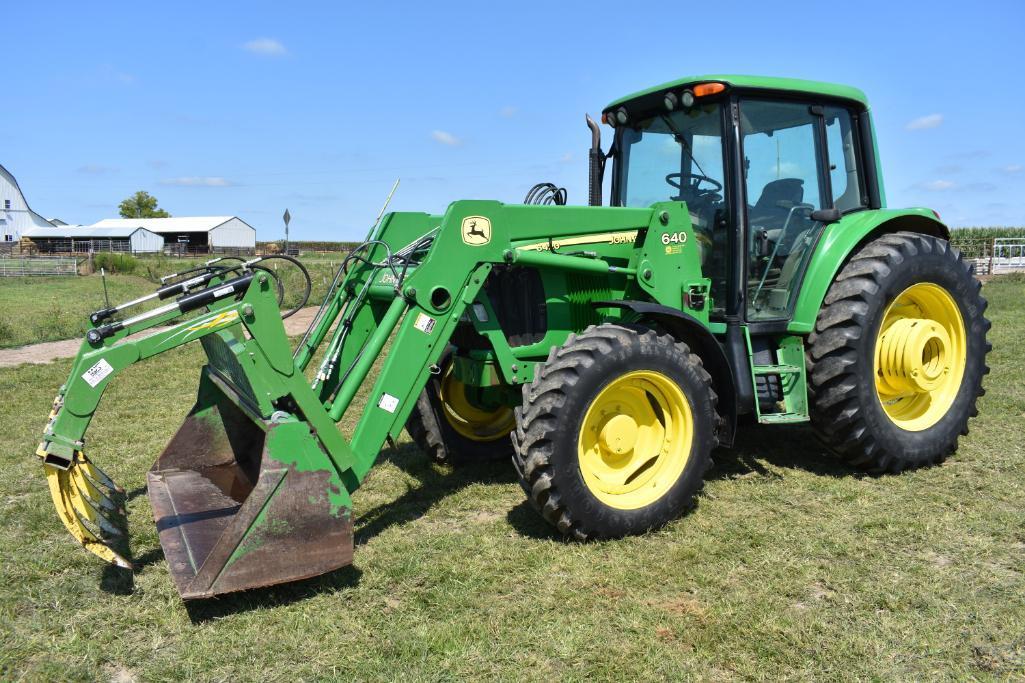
266, 46
937, 185
787, 169
110, 74
923, 122
566, 158
95, 169
507, 112
198, 181
446, 138
973, 154
1012, 168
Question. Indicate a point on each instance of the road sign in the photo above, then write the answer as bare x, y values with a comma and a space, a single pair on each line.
287, 218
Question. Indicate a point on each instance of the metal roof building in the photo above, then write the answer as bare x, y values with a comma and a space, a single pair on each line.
85, 238
211, 233
15, 214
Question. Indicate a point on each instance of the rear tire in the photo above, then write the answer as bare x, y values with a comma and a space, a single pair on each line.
595, 469
857, 354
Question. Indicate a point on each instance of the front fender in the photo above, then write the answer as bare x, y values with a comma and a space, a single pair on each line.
840, 240
689, 329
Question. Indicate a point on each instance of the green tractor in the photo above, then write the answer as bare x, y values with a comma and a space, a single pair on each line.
746, 265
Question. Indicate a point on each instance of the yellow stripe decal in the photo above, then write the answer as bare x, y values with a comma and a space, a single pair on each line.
216, 321
628, 237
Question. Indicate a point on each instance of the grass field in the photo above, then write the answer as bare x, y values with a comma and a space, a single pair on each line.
38, 309
792, 565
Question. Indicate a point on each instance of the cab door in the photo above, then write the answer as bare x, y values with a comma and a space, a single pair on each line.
786, 179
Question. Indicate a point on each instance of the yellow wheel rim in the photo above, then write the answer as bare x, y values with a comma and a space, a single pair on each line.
635, 440
470, 421
920, 357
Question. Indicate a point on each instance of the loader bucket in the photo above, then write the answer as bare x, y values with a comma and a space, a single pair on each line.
242, 502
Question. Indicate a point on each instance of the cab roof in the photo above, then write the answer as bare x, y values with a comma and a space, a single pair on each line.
768, 83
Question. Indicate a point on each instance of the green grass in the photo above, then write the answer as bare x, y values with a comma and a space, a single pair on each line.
38, 309
792, 565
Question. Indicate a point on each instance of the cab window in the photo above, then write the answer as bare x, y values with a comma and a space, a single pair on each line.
679, 156
844, 175
784, 182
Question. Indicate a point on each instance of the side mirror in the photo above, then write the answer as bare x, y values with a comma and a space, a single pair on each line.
825, 215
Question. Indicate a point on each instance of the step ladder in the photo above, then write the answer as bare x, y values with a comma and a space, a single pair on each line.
790, 370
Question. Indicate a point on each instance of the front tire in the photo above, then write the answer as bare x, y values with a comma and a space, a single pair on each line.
898, 354
448, 426
615, 432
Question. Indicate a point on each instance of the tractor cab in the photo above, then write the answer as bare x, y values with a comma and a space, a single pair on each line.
763, 164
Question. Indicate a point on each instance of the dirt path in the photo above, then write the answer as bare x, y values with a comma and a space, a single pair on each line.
47, 352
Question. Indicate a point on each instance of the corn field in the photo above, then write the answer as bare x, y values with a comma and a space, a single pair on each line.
992, 249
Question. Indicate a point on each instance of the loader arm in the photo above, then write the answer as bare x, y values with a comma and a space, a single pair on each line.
255, 487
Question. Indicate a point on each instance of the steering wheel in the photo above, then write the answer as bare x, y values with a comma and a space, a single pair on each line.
676, 180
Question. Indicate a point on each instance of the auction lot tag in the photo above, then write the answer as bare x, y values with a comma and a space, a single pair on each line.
424, 323
388, 402
96, 373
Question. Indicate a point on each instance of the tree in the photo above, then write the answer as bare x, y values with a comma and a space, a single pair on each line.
141, 205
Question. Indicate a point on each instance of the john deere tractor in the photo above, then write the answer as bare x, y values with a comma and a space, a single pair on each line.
746, 264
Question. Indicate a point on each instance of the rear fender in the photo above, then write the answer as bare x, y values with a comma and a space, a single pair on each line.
690, 330
838, 243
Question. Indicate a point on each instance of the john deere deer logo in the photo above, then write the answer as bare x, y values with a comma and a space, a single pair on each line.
476, 231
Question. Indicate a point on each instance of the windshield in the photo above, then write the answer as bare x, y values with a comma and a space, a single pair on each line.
676, 156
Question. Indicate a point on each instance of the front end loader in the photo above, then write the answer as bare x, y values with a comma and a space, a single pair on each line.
607, 350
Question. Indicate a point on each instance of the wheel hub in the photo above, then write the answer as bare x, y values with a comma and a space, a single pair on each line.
914, 355
619, 435
920, 356
635, 439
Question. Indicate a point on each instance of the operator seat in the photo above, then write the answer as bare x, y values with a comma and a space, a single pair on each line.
778, 197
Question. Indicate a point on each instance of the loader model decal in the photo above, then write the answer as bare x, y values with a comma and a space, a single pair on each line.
476, 231
215, 321
627, 237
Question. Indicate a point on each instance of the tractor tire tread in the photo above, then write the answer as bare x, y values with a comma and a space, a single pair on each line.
835, 393
537, 418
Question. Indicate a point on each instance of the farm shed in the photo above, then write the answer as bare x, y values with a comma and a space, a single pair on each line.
85, 238
195, 233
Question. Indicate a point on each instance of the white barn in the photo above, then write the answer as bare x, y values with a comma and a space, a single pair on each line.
85, 238
196, 233
15, 214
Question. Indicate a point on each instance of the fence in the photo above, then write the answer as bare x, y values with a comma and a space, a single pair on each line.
37, 265
124, 246
993, 255
1008, 253
76, 246
186, 250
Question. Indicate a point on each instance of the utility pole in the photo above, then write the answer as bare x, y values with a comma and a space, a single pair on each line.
287, 218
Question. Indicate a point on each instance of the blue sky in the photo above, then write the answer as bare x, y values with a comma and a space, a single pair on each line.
319, 106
